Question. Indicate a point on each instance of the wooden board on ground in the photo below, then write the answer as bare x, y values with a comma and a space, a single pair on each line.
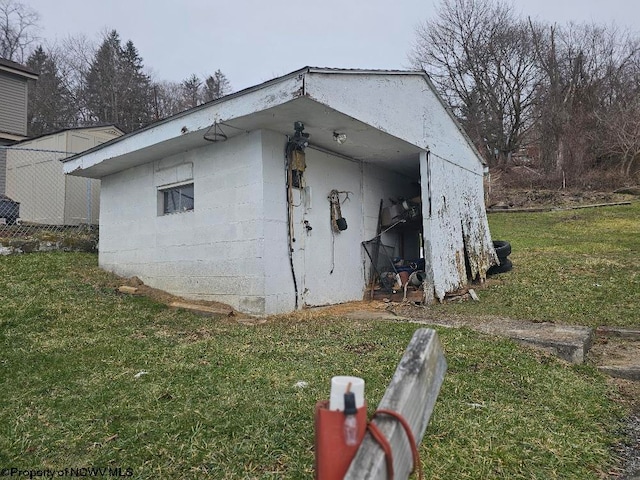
127, 289
202, 309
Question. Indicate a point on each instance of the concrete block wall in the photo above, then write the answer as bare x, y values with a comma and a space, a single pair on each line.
330, 264
214, 252
279, 289
233, 246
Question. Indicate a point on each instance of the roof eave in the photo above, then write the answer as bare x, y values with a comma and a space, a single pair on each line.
260, 97
19, 72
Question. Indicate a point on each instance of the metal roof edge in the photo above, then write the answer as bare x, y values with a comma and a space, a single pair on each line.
14, 137
360, 71
16, 68
71, 129
188, 112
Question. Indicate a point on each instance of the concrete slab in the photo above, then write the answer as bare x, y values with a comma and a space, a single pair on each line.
571, 343
629, 333
629, 372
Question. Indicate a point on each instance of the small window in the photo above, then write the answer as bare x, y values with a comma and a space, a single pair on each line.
177, 199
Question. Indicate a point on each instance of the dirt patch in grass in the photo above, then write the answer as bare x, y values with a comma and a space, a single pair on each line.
618, 352
163, 297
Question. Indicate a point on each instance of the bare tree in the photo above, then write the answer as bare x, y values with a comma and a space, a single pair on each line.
74, 56
171, 97
618, 118
480, 56
621, 125
18, 28
168, 99
588, 73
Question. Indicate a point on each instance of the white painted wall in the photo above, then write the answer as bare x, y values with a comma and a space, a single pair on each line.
454, 215
313, 250
279, 290
233, 247
403, 105
214, 252
329, 265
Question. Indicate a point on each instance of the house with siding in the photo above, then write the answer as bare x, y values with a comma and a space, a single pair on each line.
262, 199
13, 112
13, 101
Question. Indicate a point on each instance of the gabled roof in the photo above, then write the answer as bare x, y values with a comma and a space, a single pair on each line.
389, 115
17, 69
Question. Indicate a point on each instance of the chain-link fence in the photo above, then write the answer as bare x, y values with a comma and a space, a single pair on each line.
36, 196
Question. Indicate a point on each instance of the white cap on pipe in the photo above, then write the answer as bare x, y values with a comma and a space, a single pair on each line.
339, 388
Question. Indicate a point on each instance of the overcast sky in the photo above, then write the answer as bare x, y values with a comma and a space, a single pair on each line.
252, 41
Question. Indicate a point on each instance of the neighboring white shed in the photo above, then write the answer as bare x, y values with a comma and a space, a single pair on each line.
231, 201
35, 177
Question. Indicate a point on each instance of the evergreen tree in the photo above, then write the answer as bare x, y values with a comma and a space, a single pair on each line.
191, 91
216, 86
137, 104
117, 89
102, 95
50, 104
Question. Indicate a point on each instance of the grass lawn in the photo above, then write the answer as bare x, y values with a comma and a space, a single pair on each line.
578, 267
218, 399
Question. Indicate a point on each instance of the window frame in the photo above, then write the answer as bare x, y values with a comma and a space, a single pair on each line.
162, 197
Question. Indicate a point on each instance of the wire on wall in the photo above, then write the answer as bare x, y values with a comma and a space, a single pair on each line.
289, 148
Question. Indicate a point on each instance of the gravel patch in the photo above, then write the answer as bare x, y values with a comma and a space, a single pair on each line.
629, 449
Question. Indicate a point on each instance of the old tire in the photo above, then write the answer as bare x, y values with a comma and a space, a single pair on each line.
502, 248
505, 266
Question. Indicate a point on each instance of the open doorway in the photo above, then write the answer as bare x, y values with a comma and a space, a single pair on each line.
396, 253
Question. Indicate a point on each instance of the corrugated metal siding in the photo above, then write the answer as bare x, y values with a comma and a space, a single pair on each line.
13, 105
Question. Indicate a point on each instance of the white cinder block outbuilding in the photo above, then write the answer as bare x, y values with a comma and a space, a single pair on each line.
231, 201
